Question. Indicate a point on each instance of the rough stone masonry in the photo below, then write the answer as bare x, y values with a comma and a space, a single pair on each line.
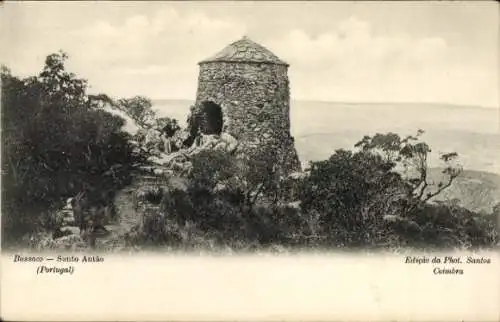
244, 91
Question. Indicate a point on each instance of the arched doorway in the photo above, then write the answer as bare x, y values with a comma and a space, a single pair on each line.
210, 118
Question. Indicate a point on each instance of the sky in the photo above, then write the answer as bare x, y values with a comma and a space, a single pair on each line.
444, 52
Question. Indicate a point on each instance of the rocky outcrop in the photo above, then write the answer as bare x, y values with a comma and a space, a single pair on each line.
179, 162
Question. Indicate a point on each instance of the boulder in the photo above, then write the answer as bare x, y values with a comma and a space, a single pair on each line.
68, 220
64, 217
71, 229
294, 204
298, 175
180, 161
392, 218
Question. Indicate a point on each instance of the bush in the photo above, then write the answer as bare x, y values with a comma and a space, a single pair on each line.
449, 226
351, 192
353, 199
57, 143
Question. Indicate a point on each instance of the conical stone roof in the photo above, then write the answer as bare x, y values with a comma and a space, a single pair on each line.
245, 50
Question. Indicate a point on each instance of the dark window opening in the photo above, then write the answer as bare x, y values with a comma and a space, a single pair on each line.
206, 119
210, 118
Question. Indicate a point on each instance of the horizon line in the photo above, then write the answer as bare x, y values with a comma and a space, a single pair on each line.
461, 105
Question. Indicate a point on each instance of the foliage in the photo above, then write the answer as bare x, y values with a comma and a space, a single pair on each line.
444, 225
370, 198
351, 192
167, 126
56, 143
153, 131
253, 174
59, 142
355, 199
411, 156
139, 108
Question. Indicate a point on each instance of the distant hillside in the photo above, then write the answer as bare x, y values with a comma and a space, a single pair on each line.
477, 151
474, 190
319, 117
398, 104
320, 128
477, 190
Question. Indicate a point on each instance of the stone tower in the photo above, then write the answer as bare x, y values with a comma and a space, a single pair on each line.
244, 90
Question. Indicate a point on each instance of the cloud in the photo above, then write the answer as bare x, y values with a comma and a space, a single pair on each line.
166, 37
164, 47
154, 52
350, 62
353, 43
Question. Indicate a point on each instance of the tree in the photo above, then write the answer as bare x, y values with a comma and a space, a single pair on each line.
167, 126
56, 143
350, 192
261, 176
410, 156
139, 108
378, 195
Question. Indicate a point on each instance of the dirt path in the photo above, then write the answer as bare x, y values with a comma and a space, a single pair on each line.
127, 218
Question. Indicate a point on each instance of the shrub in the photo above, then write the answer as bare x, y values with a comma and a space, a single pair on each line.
56, 143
